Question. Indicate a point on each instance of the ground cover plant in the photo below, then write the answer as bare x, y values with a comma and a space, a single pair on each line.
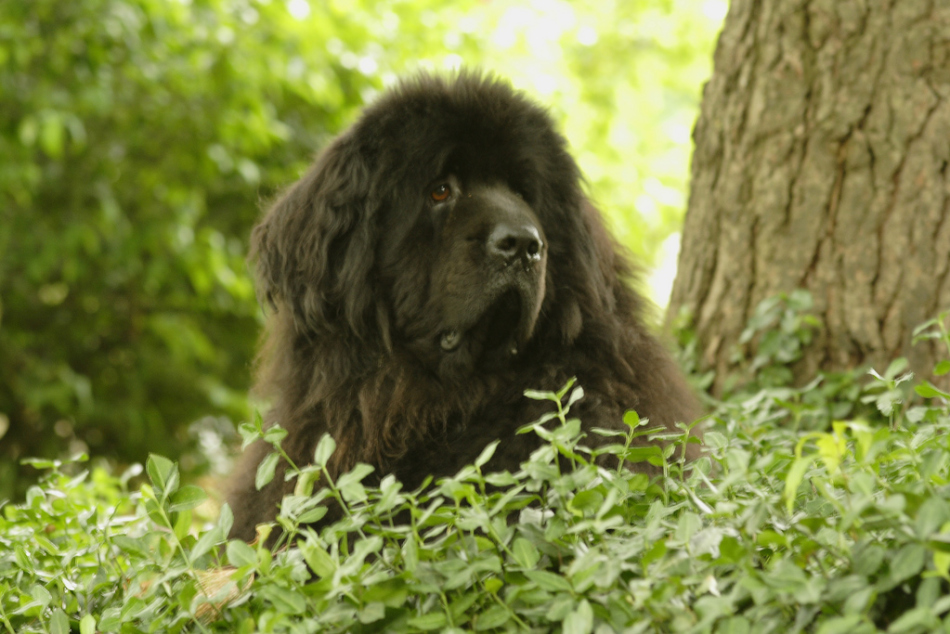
822, 508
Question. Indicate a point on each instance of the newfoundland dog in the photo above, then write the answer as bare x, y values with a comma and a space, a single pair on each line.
438, 259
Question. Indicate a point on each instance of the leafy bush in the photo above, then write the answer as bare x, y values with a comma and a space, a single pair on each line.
776, 530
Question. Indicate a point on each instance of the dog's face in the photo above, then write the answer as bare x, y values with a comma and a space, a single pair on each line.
467, 280
442, 225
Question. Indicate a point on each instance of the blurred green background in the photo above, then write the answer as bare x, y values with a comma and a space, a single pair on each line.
140, 138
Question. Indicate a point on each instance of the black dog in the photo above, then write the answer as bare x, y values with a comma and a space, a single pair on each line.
438, 259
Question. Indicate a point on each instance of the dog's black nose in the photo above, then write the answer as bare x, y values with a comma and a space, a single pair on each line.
508, 243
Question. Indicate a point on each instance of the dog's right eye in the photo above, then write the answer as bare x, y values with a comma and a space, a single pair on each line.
440, 192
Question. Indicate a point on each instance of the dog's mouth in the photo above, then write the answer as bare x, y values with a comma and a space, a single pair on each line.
498, 333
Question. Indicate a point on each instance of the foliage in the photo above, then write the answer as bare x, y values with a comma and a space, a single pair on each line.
138, 137
135, 142
773, 341
782, 328
775, 530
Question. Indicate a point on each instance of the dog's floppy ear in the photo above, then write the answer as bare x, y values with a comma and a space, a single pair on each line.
314, 247
594, 272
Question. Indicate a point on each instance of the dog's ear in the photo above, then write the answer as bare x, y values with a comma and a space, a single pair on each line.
314, 247
593, 274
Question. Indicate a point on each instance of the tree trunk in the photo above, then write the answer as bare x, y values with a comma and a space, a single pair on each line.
821, 163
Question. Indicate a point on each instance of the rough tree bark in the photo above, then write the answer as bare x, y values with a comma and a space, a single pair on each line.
821, 162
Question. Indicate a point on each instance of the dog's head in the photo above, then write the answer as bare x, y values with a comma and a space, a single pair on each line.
448, 223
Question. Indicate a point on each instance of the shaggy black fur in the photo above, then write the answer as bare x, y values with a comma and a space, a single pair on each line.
438, 259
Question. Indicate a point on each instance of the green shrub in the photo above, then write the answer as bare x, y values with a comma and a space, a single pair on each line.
777, 529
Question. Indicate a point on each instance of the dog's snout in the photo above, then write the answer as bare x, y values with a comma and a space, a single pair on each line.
512, 242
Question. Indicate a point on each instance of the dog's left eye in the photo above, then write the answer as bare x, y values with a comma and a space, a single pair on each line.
440, 192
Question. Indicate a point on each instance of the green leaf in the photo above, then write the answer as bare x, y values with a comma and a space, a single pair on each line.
324, 450
371, 612
390, 592
182, 524
656, 552
350, 483
240, 554
549, 581
929, 390
896, 366
266, 470
734, 625
486, 454
576, 395
943, 367
493, 617
319, 560
431, 621
458, 607
52, 134
931, 515
313, 515
59, 622
537, 395
493, 585
706, 541
643, 454
285, 600
840, 625
917, 619
687, 526
570, 383
631, 419
187, 497
41, 595
111, 620
907, 562
390, 489
131, 545
225, 519
868, 559
163, 474
40, 464
410, 553
207, 541
793, 480
558, 608
87, 624
580, 620
275, 434
249, 433
526, 554
587, 502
